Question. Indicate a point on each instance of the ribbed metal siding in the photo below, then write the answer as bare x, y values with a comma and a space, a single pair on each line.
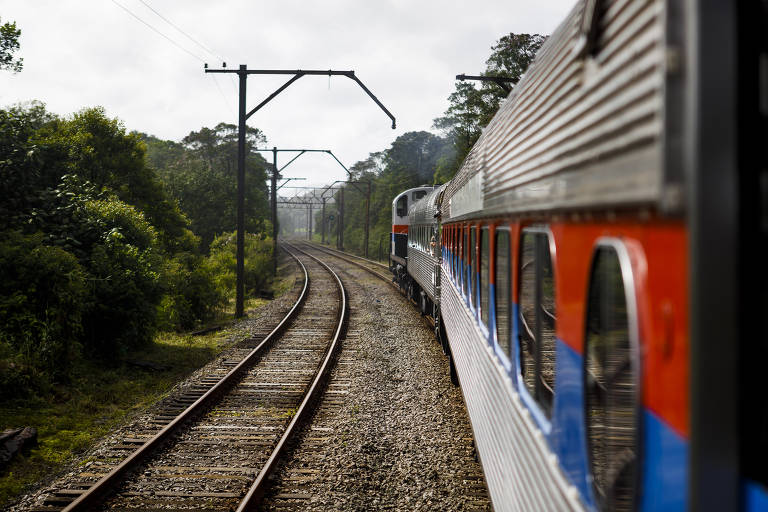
423, 211
521, 472
581, 132
421, 267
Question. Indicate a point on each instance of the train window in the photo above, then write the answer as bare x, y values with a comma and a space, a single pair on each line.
485, 270
537, 317
401, 207
610, 382
503, 290
465, 261
472, 289
418, 195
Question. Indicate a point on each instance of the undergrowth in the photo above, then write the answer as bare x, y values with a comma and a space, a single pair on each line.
101, 395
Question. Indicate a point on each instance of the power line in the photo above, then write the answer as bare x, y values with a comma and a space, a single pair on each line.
198, 43
229, 103
174, 43
201, 45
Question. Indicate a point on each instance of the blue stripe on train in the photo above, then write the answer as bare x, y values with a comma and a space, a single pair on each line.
755, 496
664, 453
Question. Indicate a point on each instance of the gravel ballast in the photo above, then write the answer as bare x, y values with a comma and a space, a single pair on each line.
402, 439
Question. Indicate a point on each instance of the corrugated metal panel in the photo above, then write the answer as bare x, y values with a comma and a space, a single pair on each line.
580, 132
422, 267
520, 470
424, 210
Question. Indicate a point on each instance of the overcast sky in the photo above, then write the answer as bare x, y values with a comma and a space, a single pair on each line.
81, 53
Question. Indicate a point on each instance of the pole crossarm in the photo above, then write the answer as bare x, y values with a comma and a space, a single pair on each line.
298, 73
288, 180
501, 81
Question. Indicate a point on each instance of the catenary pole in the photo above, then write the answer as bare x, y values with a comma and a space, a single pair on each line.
240, 285
243, 73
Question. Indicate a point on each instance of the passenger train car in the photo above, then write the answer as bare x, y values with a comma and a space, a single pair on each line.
602, 280
398, 247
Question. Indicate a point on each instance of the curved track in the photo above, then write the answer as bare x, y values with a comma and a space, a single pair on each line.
218, 452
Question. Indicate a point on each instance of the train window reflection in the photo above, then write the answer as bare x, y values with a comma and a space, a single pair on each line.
537, 317
402, 206
472, 266
610, 380
502, 282
485, 271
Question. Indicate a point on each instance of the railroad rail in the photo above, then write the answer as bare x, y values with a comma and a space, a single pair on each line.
367, 265
243, 410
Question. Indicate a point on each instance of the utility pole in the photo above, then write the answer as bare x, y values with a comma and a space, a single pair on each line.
367, 217
274, 210
322, 226
341, 220
242, 73
240, 286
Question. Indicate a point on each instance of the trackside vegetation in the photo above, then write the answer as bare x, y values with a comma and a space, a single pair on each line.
115, 245
420, 157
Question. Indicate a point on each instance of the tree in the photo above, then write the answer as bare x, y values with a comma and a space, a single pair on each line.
9, 44
200, 173
472, 107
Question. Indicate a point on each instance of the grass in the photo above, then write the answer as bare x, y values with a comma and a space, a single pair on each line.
98, 398
101, 396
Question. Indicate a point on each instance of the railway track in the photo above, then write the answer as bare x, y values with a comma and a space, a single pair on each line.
303, 480
373, 267
218, 442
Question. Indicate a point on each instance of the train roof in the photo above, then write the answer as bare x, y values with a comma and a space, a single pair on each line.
404, 192
585, 126
423, 211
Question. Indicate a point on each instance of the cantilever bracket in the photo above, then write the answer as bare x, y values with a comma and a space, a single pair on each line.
298, 73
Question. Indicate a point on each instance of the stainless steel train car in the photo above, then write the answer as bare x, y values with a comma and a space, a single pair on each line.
424, 253
603, 285
398, 247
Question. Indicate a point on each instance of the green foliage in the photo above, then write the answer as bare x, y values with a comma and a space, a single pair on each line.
125, 267
43, 298
471, 107
258, 263
192, 296
201, 174
9, 44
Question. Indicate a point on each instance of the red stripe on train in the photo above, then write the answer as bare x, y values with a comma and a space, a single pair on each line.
400, 228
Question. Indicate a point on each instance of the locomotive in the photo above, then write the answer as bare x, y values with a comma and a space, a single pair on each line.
596, 270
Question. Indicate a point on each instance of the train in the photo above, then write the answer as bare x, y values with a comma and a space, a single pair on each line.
596, 268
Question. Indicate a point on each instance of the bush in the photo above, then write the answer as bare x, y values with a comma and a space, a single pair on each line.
126, 288
43, 296
192, 296
258, 263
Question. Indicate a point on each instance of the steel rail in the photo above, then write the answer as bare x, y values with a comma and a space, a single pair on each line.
100, 489
256, 492
350, 258
354, 256
387, 278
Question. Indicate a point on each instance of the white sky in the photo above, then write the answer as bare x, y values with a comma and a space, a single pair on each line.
81, 53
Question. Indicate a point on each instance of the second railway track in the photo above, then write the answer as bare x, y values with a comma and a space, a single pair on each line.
216, 449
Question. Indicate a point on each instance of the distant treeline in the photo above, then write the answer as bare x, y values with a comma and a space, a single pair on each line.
108, 236
422, 158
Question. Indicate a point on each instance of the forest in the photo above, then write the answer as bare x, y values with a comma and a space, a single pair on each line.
108, 237
117, 245
423, 157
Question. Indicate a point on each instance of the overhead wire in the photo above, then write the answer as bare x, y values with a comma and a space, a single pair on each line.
205, 48
177, 45
218, 87
198, 43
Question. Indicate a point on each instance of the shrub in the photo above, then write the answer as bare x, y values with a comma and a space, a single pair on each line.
258, 263
125, 267
192, 296
43, 296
